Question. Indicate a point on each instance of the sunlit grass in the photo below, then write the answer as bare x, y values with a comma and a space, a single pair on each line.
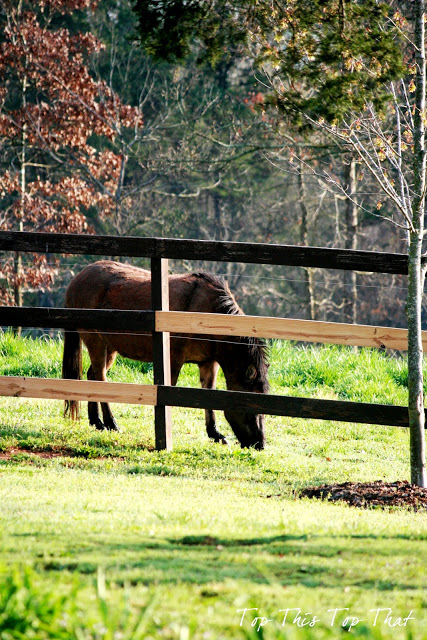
122, 541
367, 375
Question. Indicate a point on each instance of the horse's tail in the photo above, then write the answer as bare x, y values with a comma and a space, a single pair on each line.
72, 368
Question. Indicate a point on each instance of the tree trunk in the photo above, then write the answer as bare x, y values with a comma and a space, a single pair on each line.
217, 216
415, 272
351, 223
415, 362
18, 293
309, 283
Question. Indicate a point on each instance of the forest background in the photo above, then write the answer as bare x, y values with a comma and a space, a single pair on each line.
96, 137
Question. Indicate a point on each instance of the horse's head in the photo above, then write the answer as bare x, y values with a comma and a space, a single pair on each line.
248, 428
246, 370
243, 361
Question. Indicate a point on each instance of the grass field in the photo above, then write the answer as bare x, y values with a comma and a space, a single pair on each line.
101, 537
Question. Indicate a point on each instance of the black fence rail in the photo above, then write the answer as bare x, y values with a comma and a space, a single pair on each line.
215, 251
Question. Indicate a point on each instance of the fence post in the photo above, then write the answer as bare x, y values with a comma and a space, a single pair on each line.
161, 352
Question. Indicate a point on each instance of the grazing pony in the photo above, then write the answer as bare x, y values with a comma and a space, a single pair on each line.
113, 285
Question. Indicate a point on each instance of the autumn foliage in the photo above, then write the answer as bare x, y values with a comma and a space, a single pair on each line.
58, 125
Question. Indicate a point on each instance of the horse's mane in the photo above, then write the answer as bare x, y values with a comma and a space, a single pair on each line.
226, 303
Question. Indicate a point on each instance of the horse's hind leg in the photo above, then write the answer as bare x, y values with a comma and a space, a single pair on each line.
208, 375
101, 361
109, 421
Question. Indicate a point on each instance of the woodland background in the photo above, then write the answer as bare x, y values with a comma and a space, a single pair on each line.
96, 137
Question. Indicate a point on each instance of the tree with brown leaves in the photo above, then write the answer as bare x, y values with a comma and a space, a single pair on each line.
62, 133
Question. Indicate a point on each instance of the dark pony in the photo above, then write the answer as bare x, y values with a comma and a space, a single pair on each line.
113, 285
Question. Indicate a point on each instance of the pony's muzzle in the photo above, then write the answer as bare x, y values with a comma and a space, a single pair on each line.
248, 428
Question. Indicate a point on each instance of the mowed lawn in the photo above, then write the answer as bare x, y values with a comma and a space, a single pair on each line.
104, 538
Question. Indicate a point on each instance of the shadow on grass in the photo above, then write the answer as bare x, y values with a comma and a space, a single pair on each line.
285, 560
196, 568
213, 541
22, 443
204, 568
21, 434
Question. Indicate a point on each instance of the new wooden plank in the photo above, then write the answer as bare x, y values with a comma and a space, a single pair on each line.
284, 328
342, 411
58, 389
57, 318
161, 352
368, 261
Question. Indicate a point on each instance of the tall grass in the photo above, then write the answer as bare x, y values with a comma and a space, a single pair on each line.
42, 358
367, 375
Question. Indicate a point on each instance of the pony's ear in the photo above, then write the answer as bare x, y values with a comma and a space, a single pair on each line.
251, 373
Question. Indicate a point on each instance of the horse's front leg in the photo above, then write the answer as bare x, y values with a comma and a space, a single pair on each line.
93, 408
176, 366
208, 375
109, 422
101, 361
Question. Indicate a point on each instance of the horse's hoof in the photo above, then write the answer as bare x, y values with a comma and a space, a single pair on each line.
216, 436
98, 424
112, 427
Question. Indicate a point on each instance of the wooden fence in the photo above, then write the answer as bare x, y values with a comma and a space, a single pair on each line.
160, 321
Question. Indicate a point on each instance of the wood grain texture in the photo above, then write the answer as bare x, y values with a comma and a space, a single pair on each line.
367, 261
56, 389
284, 328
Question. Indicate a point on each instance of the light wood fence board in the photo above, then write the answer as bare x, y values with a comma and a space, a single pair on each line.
284, 328
58, 389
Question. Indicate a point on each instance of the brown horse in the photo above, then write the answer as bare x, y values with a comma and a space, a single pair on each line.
112, 285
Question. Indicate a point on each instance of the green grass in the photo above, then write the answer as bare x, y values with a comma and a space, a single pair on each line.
107, 538
361, 375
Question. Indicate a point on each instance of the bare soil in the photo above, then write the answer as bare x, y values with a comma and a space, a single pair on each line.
372, 494
16, 451
58, 452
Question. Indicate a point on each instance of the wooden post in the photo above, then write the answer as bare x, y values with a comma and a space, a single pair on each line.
161, 352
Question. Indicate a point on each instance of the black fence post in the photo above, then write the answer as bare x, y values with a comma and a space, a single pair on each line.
161, 352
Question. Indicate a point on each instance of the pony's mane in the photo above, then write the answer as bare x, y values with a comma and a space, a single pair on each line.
227, 304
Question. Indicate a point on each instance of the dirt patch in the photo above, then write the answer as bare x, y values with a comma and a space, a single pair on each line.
372, 494
17, 451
